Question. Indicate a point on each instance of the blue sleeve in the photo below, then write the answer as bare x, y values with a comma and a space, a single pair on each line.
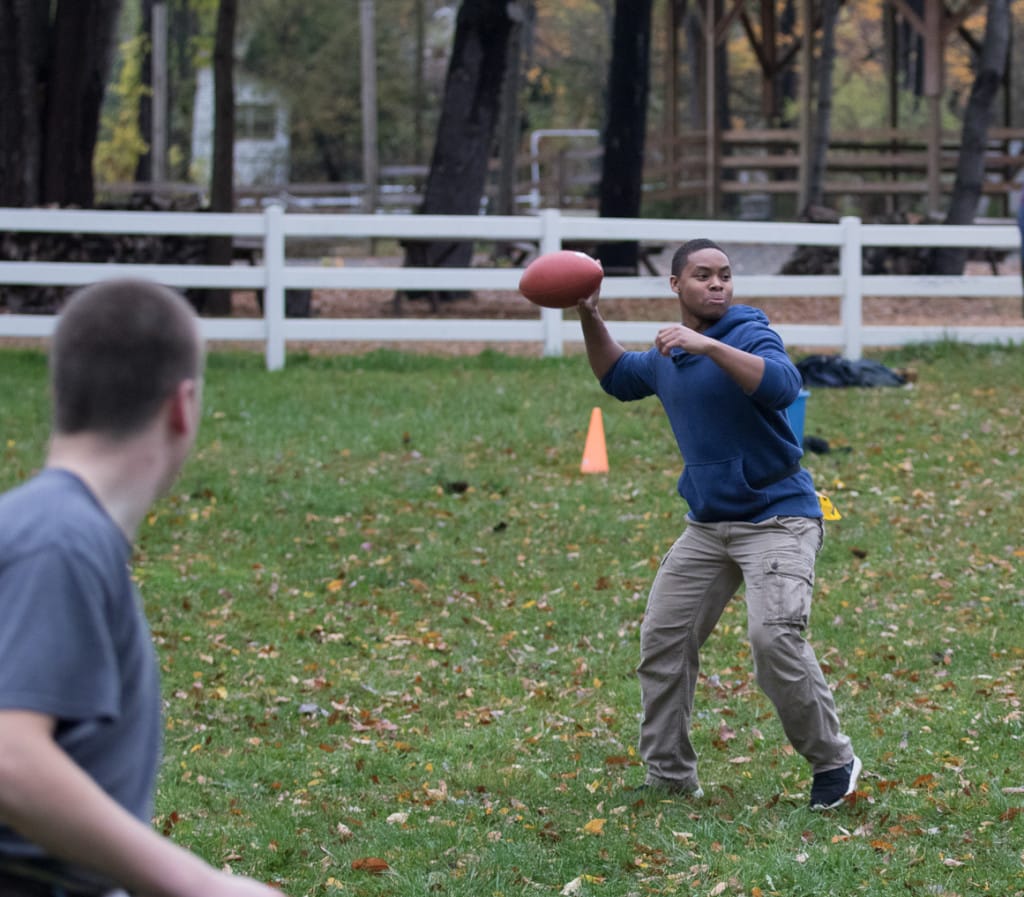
633, 376
781, 383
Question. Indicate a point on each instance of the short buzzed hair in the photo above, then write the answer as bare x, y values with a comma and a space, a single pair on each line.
120, 349
683, 253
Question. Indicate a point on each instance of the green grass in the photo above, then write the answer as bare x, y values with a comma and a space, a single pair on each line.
396, 622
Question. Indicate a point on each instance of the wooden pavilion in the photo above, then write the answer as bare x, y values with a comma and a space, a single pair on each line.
933, 21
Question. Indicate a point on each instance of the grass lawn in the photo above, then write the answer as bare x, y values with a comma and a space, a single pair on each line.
398, 631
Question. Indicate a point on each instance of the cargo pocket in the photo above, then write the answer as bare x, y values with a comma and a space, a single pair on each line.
788, 586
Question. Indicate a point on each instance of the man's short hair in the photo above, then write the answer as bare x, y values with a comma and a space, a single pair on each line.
120, 349
683, 253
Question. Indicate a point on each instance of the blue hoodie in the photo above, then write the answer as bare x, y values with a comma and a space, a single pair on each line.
742, 460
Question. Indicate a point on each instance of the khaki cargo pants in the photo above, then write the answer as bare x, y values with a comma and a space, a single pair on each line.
698, 576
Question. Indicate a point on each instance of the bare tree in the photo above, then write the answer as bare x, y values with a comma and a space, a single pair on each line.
55, 59
222, 189
469, 116
823, 118
970, 169
626, 126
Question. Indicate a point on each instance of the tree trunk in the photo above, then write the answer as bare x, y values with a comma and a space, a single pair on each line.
23, 28
222, 183
970, 169
626, 127
55, 60
83, 43
144, 167
183, 28
465, 135
511, 123
823, 119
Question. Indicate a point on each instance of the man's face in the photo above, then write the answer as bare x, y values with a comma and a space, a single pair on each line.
704, 288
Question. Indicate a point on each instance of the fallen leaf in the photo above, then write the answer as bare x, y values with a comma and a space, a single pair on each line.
373, 865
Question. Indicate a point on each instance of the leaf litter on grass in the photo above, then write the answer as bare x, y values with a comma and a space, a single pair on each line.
396, 624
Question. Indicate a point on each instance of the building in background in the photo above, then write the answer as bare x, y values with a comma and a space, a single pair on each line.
261, 133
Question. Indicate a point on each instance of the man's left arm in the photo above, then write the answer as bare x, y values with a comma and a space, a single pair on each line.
746, 368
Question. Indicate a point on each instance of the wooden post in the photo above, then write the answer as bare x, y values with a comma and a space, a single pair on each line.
711, 149
933, 78
671, 128
769, 80
508, 124
806, 97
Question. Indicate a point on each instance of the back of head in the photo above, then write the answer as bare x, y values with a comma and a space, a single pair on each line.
683, 253
120, 349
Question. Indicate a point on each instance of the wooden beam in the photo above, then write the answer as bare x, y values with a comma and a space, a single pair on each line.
953, 20
713, 131
910, 14
769, 104
721, 31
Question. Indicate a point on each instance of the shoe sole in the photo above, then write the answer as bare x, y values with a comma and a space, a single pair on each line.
854, 775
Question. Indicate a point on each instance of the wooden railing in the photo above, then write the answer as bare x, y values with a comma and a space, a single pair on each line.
869, 173
872, 174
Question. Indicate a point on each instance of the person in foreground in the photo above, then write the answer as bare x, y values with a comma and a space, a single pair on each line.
725, 381
80, 718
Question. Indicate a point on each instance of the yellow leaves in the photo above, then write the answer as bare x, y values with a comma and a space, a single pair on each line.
828, 510
595, 826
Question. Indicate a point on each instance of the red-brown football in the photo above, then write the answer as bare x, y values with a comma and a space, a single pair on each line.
560, 279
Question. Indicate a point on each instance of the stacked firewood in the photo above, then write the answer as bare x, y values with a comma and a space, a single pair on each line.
110, 248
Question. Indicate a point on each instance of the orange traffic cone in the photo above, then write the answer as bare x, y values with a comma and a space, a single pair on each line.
595, 454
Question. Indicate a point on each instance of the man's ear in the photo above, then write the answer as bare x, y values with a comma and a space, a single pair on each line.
184, 407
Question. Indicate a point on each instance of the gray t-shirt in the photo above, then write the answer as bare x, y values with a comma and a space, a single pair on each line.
74, 643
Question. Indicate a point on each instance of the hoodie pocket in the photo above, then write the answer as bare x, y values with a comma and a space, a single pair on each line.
718, 490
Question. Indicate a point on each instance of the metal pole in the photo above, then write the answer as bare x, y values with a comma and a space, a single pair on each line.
371, 165
158, 60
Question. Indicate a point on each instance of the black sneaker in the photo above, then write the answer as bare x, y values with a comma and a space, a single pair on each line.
830, 788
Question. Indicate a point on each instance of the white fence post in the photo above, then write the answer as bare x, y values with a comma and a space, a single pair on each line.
551, 318
851, 306
273, 291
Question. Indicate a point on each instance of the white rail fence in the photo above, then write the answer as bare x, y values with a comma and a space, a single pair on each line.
548, 230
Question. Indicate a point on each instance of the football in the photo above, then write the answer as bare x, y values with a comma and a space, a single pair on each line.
560, 279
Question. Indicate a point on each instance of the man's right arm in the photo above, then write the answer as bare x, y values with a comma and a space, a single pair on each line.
602, 350
50, 801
